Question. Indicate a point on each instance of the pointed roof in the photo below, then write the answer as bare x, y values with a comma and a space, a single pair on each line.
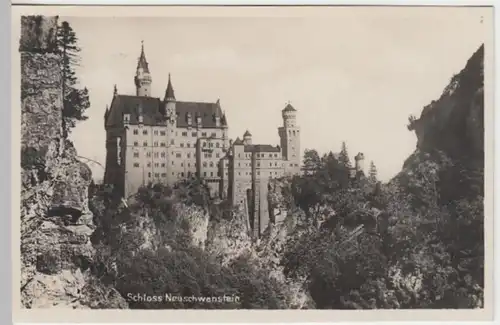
223, 119
289, 108
142, 63
247, 134
238, 142
169, 93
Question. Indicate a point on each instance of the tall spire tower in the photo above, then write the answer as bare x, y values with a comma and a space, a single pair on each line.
142, 76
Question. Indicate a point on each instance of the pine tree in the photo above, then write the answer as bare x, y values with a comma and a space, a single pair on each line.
75, 100
344, 156
372, 174
312, 161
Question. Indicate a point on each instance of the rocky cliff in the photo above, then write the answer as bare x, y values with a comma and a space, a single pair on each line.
450, 133
56, 223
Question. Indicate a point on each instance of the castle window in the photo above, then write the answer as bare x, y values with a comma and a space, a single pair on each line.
276, 164
194, 164
204, 164
162, 144
214, 134
145, 143
204, 144
172, 141
155, 132
258, 173
239, 155
270, 155
189, 155
182, 145
211, 164
136, 154
145, 132
162, 133
156, 143
239, 165
211, 173
178, 155
163, 155
149, 164
270, 164
182, 164
204, 134
217, 144
217, 155
157, 165
157, 174
173, 173
182, 174
162, 164
157, 154
204, 173
218, 173
239, 173
136, 164
173, 163
258, 164
148, 154
188, 145
193, 134
163, 174
226, 173
149, 174
296, 165
189, 174
184, 134
136, 132
211, 145
136, 143
189, 165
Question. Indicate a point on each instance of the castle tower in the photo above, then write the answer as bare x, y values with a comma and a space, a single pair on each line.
169, 102
142, 76
247, 138
290, 140
360, 162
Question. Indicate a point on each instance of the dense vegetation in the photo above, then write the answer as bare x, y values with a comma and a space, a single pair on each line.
173, 262
388, 246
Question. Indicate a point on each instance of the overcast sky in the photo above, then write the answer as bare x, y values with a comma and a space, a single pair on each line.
353, 75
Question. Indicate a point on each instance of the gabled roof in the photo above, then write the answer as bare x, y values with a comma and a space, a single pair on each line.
247, 134
261, 148
289, 108
238, 142
153, 111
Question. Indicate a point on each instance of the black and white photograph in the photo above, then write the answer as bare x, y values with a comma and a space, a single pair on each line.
245, 158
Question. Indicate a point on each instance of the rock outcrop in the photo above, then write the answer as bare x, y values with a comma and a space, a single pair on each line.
450, 133
56, 223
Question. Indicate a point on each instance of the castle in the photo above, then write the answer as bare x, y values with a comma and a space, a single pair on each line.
155, 140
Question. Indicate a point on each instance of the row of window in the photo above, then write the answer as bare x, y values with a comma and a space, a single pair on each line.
259, 155
211, 164
184, 134
177, 155
181, 174
189, 174
172, 142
